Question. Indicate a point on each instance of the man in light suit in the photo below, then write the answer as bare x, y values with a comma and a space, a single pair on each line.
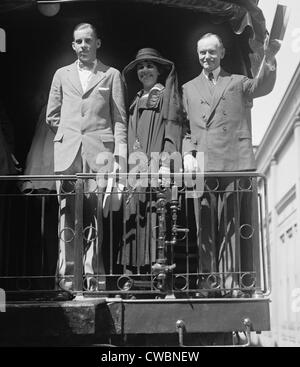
86, 109
217, 108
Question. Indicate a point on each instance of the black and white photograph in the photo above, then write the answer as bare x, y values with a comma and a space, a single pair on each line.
149, 177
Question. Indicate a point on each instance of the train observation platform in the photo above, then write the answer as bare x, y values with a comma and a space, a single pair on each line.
205, 284
101, 321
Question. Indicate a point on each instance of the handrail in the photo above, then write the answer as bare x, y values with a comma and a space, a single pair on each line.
133, 174
264, 288
180, 328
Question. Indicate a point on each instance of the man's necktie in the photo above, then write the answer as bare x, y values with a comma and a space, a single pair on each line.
211, 78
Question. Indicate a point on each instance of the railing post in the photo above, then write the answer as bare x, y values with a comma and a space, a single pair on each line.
236, 214
161, 269
255, 239
78, 241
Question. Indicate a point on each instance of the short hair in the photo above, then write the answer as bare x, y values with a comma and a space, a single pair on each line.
207, 35
86, 25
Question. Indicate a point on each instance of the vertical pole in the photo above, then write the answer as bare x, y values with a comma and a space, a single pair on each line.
297, 241
161, 211
43, 207
198, 214
274, 248
78, 241
138, 231
186, 211
225, 263
124, 249
297, 142
236, 211
254, 241
111, 237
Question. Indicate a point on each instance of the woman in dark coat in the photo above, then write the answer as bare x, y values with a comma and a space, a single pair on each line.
154, 127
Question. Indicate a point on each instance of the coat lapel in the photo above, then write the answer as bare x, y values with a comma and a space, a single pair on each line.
223, 80
133, 111
74, 77
201, 85
98, 75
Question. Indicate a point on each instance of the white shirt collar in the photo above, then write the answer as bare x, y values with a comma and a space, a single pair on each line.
91, 70
85, 75
215, 72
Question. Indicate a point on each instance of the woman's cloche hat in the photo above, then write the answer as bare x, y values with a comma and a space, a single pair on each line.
147, 54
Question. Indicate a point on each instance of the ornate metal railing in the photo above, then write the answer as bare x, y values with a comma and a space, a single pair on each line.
203, 241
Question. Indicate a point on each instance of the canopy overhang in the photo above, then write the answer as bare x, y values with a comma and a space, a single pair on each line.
239, 14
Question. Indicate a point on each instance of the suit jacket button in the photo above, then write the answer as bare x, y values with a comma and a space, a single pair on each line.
224, 128
224, 113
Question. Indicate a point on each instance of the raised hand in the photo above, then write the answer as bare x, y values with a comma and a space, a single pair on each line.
271, 48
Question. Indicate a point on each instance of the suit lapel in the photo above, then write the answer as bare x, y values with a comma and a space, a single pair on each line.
223, 80
74, 77
98, 75
201, 85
